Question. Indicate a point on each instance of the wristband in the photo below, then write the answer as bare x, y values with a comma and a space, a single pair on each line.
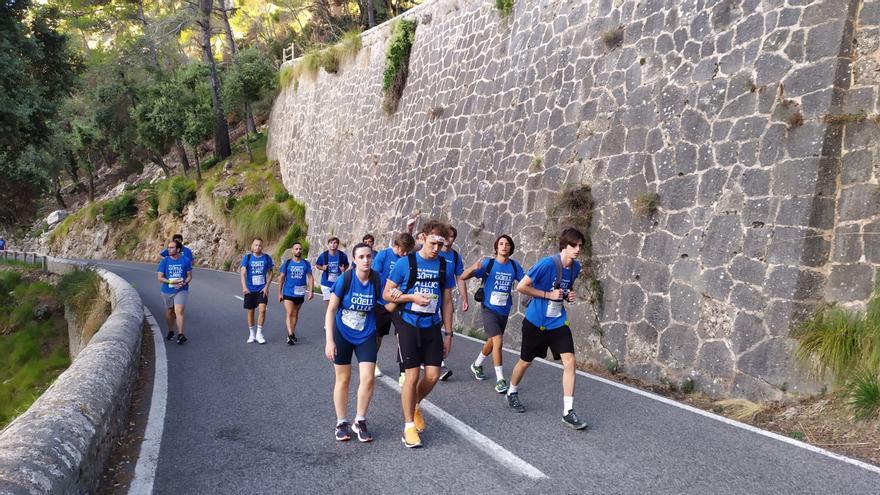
447, 334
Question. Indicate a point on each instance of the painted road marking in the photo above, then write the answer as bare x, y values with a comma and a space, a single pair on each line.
477, 439
239, 298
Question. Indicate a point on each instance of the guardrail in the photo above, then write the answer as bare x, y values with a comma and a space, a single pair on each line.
288, 54
25, 257
61, 443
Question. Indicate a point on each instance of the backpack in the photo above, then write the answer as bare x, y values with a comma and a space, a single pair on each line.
413, 278
517, 275
557, 260
374, 279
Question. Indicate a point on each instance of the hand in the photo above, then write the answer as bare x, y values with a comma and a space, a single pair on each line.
464, 306
311, 295
571, 296
554, 295
421, 299
265, 292
395, 294
245, 291
280, 298
447, 345
330, 351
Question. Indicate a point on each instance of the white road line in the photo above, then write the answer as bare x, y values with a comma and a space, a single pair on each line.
477, 439
239, 298
728, 421
148, 458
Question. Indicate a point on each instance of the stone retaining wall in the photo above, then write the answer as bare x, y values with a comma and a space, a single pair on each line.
60, 444
729, 110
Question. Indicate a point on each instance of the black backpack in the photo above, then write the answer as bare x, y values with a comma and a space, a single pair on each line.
413, 278
481, 292
374, 279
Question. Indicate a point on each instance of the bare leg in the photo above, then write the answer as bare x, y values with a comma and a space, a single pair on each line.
568, 374
365, 387
262, 315
408, 394
293, 317
426, 384
487, 347
496, 348
179, 310
340, 389
169, 318
518, 371
250, 317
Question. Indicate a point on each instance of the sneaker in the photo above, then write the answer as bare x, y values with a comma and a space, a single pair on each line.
501, 386
401, 379
360, 427
478, 372
260, 339
295, 340
411, 438
343, 432
572, 420
169, 335
445, 373
514, 403
251, 339
419, 420
290, 340
181, 339
377, 372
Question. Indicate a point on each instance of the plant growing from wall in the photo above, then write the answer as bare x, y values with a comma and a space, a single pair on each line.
403, 35
646, 204
505, 7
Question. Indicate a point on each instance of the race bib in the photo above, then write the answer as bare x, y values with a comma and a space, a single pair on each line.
499, 298
174, 281
258, 280
554, 309
331, 277
430, 308
355, 320
299, 290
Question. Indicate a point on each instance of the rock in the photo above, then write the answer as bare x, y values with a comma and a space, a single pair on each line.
56, 217
115, 192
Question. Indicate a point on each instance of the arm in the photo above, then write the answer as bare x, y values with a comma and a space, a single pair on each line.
280, 286
270, 273
462, 290
392, 294
243, 272
446, 312
329, 326
161, 277
310, 286
525, 287
189, 277
470, 272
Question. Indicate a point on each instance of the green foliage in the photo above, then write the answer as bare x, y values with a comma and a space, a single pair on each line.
687, 385
397, 63
175, 194
646, 204
863, 395
79, 288
285, 76
297, 210
250, 76
296, 233
128, 245
505, 7
153, 203
797, 435
121, 208
210, 163
281, 195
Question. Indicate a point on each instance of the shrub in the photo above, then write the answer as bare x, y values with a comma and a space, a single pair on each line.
252, 219
505, 7
646, 204
270, 220
613, 38
328, 60
863, 395
210, 163
297, 210
153, 203
688, 385
120, 208
176, 193
79, 289
285, 76
281, 195
397, 63
295, 233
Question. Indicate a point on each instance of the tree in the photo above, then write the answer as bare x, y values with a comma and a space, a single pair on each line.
247, 81
198, 116
222, 148
160, 121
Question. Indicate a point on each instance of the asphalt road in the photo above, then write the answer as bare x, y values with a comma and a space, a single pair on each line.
248, 418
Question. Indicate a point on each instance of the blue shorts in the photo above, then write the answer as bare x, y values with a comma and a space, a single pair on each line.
366, 352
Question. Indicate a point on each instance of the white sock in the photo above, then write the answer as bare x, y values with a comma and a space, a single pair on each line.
340, 421
511, 389
252, 329
359, 418
443, 363
409, 425
259, 328
479, 360
499, 373
567, 405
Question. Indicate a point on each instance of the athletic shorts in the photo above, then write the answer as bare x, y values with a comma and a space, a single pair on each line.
294, 299
384, 319
254, 299
535, 342
326, 292
366, 351
179, 298
494, 323
419, 346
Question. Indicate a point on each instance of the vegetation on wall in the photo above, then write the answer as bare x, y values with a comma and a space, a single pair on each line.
505, 7
403, 35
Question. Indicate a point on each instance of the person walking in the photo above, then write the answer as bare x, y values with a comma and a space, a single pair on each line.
175, 273
256, 275
331, 263
295, 285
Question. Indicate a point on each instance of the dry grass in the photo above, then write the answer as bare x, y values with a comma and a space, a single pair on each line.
740, 409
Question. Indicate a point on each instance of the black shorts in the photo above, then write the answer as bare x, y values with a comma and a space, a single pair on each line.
419, 346
493, 323
384, 319
366, 351
535, 342
254, 299
294, 299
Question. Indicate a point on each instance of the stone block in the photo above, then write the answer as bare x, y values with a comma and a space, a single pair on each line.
856, 166
747, 297
859, 202
748, 330
717, 283
771, 361
871, 237
748, 270
660, 246
811, 77
847, 283
677, 347
716, 360
723, 237
657, 311
684, 303
781, 316
641, 343
678, 193
632, 303
790, 282
846, 244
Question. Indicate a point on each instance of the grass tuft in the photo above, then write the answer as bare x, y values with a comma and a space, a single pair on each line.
613, 38
740, 409
646, 204
175, 194
403, 36
863, 395
505, 7
120, 208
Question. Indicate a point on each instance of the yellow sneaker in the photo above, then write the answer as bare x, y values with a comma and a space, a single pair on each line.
411, 438
419, 420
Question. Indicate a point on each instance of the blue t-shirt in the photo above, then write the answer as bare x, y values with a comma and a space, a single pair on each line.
334, 266
295, 277
355, 318
499, 284
453, 257
257, 270
541, 312
174, 268
2, 244
384, 262
185, 252
429, 273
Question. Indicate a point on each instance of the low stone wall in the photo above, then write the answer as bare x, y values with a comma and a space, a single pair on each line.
60, 444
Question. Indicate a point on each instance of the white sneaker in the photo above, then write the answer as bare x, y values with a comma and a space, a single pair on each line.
377, 372
251, 339
260, 339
